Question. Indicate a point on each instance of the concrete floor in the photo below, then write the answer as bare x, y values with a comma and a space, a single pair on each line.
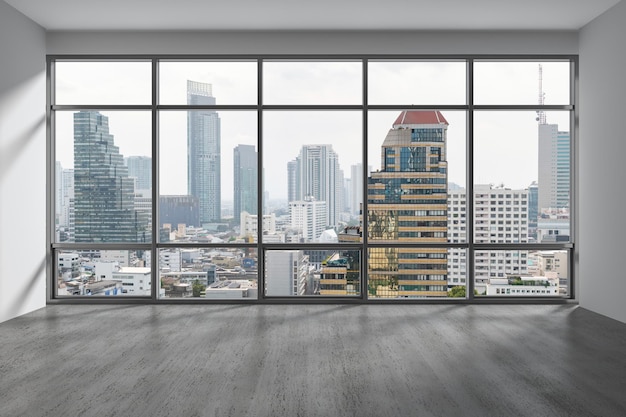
312, 360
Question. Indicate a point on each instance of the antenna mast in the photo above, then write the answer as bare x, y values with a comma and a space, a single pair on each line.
541, 115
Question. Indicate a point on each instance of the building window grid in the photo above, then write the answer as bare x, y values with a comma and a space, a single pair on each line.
155, 107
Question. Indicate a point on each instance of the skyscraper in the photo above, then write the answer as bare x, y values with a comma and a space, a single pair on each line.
407, 203
140, 168
292, 179
356, 186
554, 167
104, 206
245, 180
203, 152
318, 175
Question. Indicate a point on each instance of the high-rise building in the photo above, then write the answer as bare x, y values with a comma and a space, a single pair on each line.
287, 273
140, 168
179, 209
554, 167
104, 206
500, 216
533, 209
203, 152
318, 175
67, 196
58, 192
292, 179
309, 217
245, 180
356, 185
407, 203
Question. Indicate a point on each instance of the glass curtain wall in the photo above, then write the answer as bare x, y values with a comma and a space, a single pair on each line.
345, 179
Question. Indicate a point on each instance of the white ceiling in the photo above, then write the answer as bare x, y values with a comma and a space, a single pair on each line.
312, 14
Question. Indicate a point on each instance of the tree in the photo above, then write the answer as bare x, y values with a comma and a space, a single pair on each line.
457, 292
197, 288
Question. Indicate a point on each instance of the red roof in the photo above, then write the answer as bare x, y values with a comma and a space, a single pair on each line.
420, 117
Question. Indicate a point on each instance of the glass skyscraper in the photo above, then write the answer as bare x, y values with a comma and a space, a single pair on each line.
554, 167
407, 203
245, 180
104, 195
203, 152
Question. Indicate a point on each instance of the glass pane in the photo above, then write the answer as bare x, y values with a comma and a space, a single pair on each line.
405, 272
312, 176
231, 82
89, 272
312, 82
416, 158
416, 82
103, 163
520, 273
522, 177
103, 82
211, 273
522, 83
291, 273
208, 175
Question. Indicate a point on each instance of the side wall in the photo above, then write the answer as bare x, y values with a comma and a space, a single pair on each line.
22, 164
601, 167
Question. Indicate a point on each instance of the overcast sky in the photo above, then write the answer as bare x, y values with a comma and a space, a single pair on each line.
505, 142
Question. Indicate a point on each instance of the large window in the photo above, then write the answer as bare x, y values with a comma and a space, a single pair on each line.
350, 179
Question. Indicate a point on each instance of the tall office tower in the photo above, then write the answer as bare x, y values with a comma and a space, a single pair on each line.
58, 192
140, 168
245, 180
104, 195
407, 203
533, 209
318, 175
203, 152
356, 184
67, 195
554, 167
309, 217
287, 273
500, 216
179, 209
292, 179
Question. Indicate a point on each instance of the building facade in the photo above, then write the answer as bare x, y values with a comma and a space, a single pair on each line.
140, 168
104, 194
308, 216
245, 180
554, 167
318, 175
204, 152
287, 273
407, 203
500, 216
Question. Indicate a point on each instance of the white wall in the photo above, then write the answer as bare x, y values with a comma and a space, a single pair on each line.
313, 42
22, 164
602, 170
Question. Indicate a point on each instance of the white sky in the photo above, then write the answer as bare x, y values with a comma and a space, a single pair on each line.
505, 141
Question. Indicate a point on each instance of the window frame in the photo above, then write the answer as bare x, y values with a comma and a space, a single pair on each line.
469, 245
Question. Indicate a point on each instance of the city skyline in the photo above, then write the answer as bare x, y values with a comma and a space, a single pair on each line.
235, 83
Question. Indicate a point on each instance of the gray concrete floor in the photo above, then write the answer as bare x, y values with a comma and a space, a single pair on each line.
312, 360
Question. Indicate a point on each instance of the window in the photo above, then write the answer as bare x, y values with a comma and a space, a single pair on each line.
254, 178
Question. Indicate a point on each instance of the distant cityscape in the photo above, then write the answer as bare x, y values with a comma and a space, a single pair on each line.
107, 198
